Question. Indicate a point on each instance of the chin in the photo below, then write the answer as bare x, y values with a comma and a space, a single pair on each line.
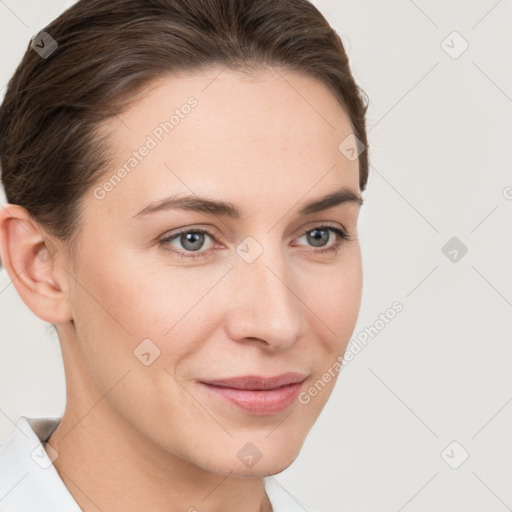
259, 470
270, 458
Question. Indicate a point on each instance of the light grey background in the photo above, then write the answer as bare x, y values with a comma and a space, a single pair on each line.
440, 132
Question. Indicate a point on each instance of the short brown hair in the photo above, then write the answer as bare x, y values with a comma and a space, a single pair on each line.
50, 150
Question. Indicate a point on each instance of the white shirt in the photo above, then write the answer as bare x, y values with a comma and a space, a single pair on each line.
29, 481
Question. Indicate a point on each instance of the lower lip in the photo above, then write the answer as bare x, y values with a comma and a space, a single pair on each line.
270, 401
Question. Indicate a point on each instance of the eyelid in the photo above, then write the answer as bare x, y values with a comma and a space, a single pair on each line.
322, 224
187, 229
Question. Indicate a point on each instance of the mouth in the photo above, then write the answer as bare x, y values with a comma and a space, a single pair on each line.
257, 395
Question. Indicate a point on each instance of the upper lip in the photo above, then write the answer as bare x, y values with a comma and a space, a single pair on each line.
256, 382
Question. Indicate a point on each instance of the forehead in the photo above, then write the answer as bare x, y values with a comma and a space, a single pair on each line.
230, 135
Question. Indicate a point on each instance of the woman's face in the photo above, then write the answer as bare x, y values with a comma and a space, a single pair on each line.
152, 325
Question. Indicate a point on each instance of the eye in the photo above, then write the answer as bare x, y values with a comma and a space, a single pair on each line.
192, 241
321, 234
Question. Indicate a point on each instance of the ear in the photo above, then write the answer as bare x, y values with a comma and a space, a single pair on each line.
31, 262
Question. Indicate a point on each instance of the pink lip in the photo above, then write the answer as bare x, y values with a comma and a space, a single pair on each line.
258, 395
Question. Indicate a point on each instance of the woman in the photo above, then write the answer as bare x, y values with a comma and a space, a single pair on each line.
183, 180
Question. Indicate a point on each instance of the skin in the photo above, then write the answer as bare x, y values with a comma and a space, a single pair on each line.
135, 437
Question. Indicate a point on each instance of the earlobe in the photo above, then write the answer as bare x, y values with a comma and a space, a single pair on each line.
32, 265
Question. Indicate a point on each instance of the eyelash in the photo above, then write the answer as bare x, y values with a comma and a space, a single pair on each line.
341, 237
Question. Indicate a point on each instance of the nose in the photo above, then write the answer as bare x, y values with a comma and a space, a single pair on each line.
264, 303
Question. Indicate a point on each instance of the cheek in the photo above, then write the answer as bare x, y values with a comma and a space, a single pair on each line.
120, 307
334, 298
336, 305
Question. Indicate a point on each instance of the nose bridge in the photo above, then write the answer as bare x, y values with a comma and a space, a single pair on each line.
266, 306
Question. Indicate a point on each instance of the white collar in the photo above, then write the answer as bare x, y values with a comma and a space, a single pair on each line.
29, 481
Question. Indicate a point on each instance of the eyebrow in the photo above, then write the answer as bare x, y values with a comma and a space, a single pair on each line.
227, 209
